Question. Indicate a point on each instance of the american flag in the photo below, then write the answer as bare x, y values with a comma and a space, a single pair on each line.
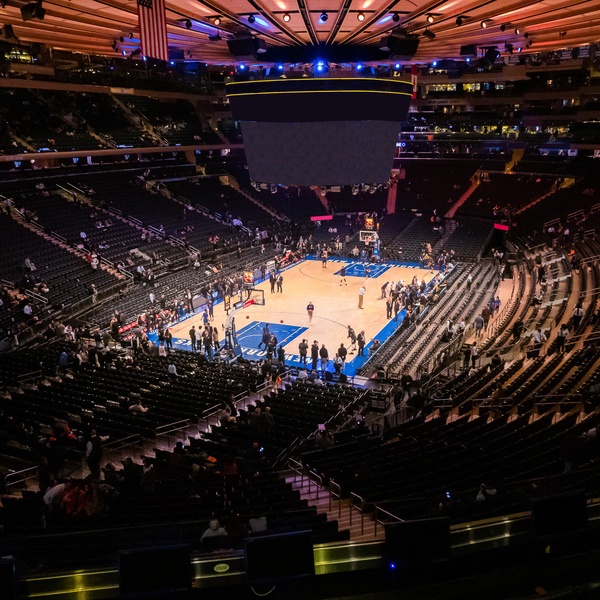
153, 28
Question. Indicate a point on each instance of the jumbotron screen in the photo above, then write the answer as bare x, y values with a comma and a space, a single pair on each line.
320, 131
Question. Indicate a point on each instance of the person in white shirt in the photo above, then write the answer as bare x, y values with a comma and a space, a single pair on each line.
172, 369
361, 295
539, 337
28, 310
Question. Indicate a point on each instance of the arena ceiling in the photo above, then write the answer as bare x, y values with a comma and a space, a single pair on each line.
106, 27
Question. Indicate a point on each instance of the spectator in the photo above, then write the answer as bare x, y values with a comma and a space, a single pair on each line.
561, 337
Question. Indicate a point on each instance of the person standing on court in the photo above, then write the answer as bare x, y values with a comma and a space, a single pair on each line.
389, 305
280, 284
314, 355
266, 336
343, 275
324, 354
361, 295
281, 355
303, 349
310, 309
352, 337
396, 309
342, 353
273, 281
193, 337
324, 259
361, 343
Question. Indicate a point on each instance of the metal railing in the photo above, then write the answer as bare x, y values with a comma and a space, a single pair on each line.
378, 509
36, 296
33, 471
361, 510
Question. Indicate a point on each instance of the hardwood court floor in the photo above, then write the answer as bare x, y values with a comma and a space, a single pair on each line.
336, 306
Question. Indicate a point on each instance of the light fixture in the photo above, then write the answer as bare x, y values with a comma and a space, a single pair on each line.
517, 31
242, 67
525, 35
188, 24
360, 16
459, 21
251, 19
395, 17
323, 18
484, 24
359, 67
214, 38
429, 34
434, 63
287, 17
519, 49
503, 27
430, 19
280, 67
217, 21
121, 39
397, 66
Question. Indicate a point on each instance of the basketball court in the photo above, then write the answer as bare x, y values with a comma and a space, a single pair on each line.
336, 307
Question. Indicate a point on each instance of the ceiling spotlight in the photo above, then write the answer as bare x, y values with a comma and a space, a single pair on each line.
562, 34
519, 49
188, 24
287, 17
397, 66
517, 31
525, 35
395, 17
323, 18
429, 34
360, 17
503, 27
131, 36
251, 19
528, 45
217, 20
121, 39
459, 21
430, 18
484, 24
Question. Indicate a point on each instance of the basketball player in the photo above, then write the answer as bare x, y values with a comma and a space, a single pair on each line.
324, 258
343, 276
310, 309
367, 271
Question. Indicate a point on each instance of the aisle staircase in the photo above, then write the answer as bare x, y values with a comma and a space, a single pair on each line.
361, 526
474, 185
